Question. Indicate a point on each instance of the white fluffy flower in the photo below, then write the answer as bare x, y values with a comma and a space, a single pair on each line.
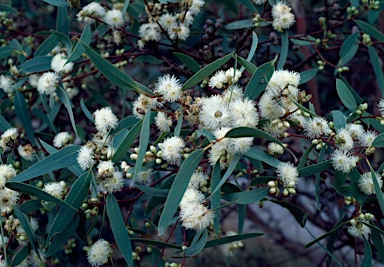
365, 183
269, 107
144, 177
62, 139
282, 16
196, 6
99, 253
232, 93
287, 173
149, 32
244, 113
180, 31
8, 198
47, 83
55, 189
85, 158
343, 139
6, 172
191, 196
167, 21
114, 18
140, 106
229, 248
275, 149
356, 130
198, 179
343, 161
8, 139
35, 261
367, 138
259, 2
169, 86
112, 184
163, 122
93, 9
171, 149
196, 217
33, 80
359, 229
58, 64
105, 120
240, 145
232, 76
214, 113
381, 106
7, 84
218, 80
26, 152
315, 127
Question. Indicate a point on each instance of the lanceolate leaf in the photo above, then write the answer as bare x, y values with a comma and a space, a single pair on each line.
85, 37
22, 112
240, 24
251, 132
379, 141
27, 228
249, 5
58, 160
365, 27
205, 72
118, 228
5, 8
37, 64
284, 50
373, 56
215, 201
4, 125
86, 111
345, 95
379, 193
188, 61
198, 246
62, 94
228, 172
348, 49
259, 80
46, 46
255, 40
308, 75
367, 262
127, 142
5, 52
58, 3
112, 73
315, 168
228, 239
178, 188
258, 154
247, 197
36, 192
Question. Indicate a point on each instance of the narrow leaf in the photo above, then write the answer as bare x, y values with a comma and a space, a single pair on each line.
345, 96
23, 114
5, 52
188, 61
58, 3
284, 50
365, 27
62, 94
153, 191
86, 111
198, 246
118, 228
258, 154
232, 238
62, 23
367, 261
247, 197
240, 24
228, 172
378, 192
46, 46
4, 125
27, 228
315, 168
374, 57
251, 132
379, 141
215, 198
5, 8
128, 141
85, 37
308, 75
338, 119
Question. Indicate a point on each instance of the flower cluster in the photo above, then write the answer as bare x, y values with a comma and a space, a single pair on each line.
99, 253
282, 16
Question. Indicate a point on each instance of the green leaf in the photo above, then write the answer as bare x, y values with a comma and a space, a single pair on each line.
251, 132
299, 215
64, 39
232, 238
240, 24
37, 64
62, 94
258, 154
85, 37
113, 74
315, 168
249, 5
255, 41
259, 80
5, 52
262, 180
118, 228
31, 205
62, 23
365, 27
5, 8
355, 3
58, 3
284, 50
338, 119
302, 108
58, 160
178, 188
304, 158
379, 193
198, 246
373, 56
205, 72
379, 141
242, 212
22, 113
60, 239
127, 142
45, 118
47, 46
125, 123
345, 96
358, 99
153, 191
215, 198
155, 243
228, 172
377, 241
307, 75
348, 49
325, 235
247, 197
86, 111
250, 67
126, 5
210, 136
356, 193
27, 228
367, 261
188, 61
4, 125
36, 192
143, 143
20, 256
74, 198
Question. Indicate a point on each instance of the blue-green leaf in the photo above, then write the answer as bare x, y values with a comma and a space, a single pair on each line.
348, 49
86, 111
251, 132
4, 125
188, 61
62, 23
63, 39
249, 5
112, 73
259, 80
232, 238
367, 261
5, 8
5, 52
58, 160
85, 37
179, 122
127, 142
284, 50
215, 198
58, 3
205, 72
379, 193
228, 172
315, 168
365, 27
178, 188
373, 56
47, 46
23, 114
27, 228
118, 228
338, 119
62, 94
258, 154
379, 141
345, 96
198, 246
240, 24
247, 197
37, 64
308, 75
